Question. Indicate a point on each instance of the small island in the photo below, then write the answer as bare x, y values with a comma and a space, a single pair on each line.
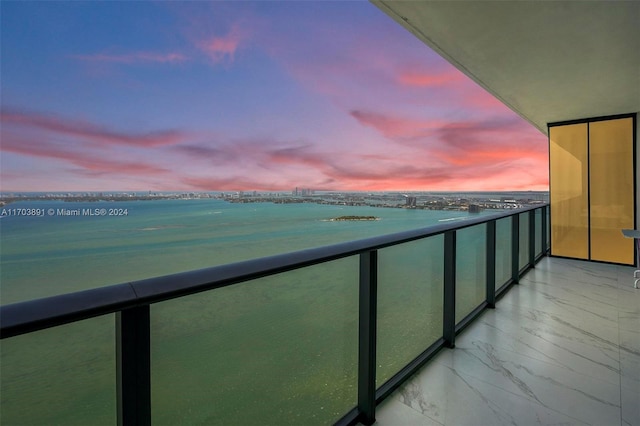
343, 218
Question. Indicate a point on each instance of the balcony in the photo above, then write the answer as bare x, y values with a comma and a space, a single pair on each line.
562, 347
371, 314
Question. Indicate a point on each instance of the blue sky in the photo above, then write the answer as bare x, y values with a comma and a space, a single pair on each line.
100, 96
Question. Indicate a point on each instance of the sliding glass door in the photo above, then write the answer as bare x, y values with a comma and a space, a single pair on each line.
592, 189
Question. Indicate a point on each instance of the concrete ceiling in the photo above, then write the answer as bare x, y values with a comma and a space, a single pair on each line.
548, 61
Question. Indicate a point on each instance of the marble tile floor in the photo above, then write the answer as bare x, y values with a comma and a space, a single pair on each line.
561, 348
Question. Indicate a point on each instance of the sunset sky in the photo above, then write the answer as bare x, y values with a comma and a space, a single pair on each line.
105, 96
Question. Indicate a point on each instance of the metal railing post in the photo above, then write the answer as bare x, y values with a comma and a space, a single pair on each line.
532, 238
133, 366
491, 264
449, 311
515, 248
367, 337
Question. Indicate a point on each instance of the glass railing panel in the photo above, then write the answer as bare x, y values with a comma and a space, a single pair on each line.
410, 300
538, 231
523, 257
503, 251
471, 260
276, 350
64, 375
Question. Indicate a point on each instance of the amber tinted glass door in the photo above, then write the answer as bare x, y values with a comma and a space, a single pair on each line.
611, 183
569, 191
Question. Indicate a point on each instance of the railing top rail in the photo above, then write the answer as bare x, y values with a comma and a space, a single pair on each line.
24, 317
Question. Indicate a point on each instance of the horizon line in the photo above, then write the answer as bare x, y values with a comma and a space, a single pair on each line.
2, 192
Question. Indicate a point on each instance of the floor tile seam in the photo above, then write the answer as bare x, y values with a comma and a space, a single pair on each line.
565, 276
568, 280
571, 290
623, 296
580, 393
631, 312
582, 299
570, 284
560, 311
524, 398
560, 330
611, 323
501, 313
553, 362
578, 264
629, 341
634, 390
623, 316
628, 286
420, 412
618, 383
465, 379
603, 280
590, 296
620, 362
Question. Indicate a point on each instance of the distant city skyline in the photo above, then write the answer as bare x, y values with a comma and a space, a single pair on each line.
244, 96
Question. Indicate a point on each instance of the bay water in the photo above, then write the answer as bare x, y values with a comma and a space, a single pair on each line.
277, 350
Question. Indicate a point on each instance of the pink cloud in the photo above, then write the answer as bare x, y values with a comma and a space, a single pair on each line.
493, 139
88, 131
89, 163
299, 155
206, 152
504, 151
465, 155
133, 58
425, 79
223, 48
445, 164
395, 127
259, 164
83, 146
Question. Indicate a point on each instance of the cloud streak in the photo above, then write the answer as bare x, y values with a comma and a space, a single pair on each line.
87, 131
88, 163
134, 58
395, 127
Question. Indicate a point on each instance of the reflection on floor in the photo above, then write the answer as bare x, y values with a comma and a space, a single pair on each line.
561, 348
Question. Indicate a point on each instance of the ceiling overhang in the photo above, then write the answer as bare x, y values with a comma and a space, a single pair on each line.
548, 61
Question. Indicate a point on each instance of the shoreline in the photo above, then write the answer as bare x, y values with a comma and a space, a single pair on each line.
451, 201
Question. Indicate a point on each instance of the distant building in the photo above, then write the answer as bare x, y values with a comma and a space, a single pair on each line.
302, 192
474, 208
411, 201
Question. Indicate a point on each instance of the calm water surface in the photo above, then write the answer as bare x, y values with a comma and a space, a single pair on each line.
50, 255
277, 350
